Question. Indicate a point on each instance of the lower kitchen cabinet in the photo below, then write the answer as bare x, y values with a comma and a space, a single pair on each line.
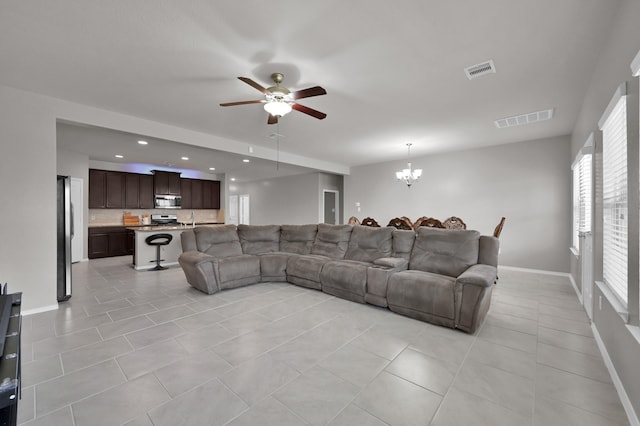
109, 241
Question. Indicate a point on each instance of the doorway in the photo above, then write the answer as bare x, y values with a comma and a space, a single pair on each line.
239, 209
330, 206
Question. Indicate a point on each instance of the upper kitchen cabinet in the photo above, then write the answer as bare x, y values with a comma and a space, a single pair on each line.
211, 194
166, 183
106, 189
200, 194
97, 189
138, 191
117, 190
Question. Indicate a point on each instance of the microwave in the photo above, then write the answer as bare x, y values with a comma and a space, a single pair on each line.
167, 201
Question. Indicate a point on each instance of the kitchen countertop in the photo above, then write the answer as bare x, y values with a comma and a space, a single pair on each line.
152, 226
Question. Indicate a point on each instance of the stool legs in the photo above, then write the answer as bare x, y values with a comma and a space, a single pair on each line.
158, 267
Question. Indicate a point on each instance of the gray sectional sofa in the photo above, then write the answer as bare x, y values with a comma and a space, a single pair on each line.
440, 276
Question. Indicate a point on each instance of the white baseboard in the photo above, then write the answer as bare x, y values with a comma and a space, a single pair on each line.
39, 310
624, 398
535, 271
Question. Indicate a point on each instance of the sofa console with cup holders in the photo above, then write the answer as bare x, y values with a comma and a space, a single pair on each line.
435, 275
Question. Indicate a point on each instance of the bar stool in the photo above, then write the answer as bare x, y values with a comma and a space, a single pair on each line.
158, 240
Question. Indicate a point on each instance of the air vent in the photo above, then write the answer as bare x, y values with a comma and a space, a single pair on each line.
518, 120
479, 70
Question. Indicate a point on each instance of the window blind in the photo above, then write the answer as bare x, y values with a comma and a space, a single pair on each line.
584, 185
576, 206
614, 194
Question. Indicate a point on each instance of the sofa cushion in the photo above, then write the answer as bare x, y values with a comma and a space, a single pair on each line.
443, 251
305, 270
297, 238
235, 271
219, 241
257, 239
403, 243
368, 244
332, 240
423, 293
347, 278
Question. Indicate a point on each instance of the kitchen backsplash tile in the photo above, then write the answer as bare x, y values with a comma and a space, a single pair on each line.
102, 217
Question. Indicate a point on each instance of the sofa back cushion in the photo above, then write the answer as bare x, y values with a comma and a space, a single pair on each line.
332, 240
403, 243
443, 251
368, 244
297, 239
218, 241
257, 239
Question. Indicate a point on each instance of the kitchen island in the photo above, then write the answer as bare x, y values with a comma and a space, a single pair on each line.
145, 255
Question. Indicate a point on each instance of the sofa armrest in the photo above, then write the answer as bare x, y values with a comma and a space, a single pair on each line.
200, 270
480, 275
396, 263
194, 258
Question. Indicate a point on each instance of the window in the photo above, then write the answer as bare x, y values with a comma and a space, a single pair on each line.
582, 193
614, 194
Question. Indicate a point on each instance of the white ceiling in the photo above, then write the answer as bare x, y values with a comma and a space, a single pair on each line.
394, 72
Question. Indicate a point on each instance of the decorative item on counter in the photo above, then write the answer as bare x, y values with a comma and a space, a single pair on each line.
146, 219
130, 220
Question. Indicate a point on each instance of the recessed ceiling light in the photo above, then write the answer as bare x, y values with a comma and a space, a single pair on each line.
212, 168
143, 142
233, 179
246, 160
119, 156
185, 158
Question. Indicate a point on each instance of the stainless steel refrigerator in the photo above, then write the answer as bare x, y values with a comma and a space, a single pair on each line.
65, 233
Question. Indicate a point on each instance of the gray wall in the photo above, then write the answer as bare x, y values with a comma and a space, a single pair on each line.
612, 69
294, 200
28, 175
290, 199
527, 182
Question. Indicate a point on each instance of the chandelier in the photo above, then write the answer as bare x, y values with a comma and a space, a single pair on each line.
409, 175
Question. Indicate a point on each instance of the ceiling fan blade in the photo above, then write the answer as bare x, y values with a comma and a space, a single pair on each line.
242, 103
307, 93
254, 85
309, 111
272, 119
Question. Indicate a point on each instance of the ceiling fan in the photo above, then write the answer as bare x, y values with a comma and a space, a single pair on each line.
279, 100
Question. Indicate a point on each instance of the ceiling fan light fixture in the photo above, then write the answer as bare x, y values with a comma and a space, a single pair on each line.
277, 108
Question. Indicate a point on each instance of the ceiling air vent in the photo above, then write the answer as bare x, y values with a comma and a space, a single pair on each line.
518, 120
479, 70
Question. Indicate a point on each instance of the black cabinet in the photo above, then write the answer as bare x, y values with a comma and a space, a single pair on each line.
97, 188
166, 182
145, 192
109, 241
117, 190
200, 194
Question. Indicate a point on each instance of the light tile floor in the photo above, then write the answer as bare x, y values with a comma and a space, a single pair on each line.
144, 348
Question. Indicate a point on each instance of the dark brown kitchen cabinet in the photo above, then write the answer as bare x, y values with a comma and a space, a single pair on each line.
185, 193
132, 191
196, 194
145, 194
115, 190
166, 182
215, 195
138, 191
109, 241
200, 194
97, 185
